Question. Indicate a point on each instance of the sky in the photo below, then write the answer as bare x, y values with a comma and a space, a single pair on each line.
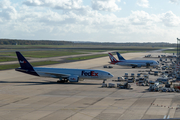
91, 20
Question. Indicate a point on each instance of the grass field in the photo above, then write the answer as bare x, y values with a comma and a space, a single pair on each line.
87, 57
90, 46
12, 66
95, 56
46, 53
170, 51
6, 59
43, 54
87, 51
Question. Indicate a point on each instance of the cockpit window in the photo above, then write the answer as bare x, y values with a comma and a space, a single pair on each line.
108, 73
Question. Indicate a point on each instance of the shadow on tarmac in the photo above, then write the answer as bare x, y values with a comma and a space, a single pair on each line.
47, 83
127, 67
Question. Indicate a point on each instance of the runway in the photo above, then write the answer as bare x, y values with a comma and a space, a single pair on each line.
25, 97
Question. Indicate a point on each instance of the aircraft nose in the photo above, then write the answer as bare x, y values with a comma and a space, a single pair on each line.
111, 76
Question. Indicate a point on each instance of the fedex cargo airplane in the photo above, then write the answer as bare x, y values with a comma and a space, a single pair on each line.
133, 63
64, 75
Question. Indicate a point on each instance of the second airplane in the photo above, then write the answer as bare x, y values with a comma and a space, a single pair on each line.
133, 63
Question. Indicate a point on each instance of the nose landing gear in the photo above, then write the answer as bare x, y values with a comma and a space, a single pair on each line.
104, 80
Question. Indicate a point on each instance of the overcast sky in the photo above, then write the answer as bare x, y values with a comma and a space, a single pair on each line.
91, 20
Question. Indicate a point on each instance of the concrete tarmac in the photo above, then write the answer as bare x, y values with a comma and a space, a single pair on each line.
26, 97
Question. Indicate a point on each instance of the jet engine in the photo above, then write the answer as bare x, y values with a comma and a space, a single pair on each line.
138, 66
147, 65
73, 78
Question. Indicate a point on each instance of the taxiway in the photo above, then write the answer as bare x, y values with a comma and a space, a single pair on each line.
25, 97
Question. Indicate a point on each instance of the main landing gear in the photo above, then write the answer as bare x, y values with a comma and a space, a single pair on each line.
147, 65
64, 80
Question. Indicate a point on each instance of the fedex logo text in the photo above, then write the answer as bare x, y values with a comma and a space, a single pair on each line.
22, 61
91, 73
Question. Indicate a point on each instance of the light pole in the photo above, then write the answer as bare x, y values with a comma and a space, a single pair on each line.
178, 59
178, 50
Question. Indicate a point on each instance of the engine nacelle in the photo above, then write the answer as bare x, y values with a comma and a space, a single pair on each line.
138, 66
73, 78
148, 64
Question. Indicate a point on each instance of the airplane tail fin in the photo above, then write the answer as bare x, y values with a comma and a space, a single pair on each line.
112, 58
119, 56
23, 62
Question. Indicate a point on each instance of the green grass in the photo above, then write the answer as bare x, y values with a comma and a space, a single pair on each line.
170, 51
44, 54
97, 56
6, 67
109, 46
55, 53
13, 66
92, 50
46, 51
87, 57
44, 63
6, 59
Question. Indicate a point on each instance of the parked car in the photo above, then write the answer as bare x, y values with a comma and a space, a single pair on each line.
159, 68
172, 89
156, 89
126, 74
164, 90
143, 84
163, 80
110, 66
105, 66
138, 75
130, 80
132, 74
168, 90
177, 90
156, 73
121, 78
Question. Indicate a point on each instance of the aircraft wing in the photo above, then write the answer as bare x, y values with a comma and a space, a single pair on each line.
132, 64
58, 75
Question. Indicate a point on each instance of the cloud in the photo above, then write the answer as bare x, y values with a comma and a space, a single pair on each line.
4, 4
79, 22
56, 4
174, 1
142, 18
7, 11
143, 3
170, 19
105, 5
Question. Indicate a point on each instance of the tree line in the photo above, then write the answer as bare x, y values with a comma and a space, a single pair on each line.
32, 42
107, 44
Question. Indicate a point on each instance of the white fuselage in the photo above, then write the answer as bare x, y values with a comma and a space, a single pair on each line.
81, 73
137, 63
